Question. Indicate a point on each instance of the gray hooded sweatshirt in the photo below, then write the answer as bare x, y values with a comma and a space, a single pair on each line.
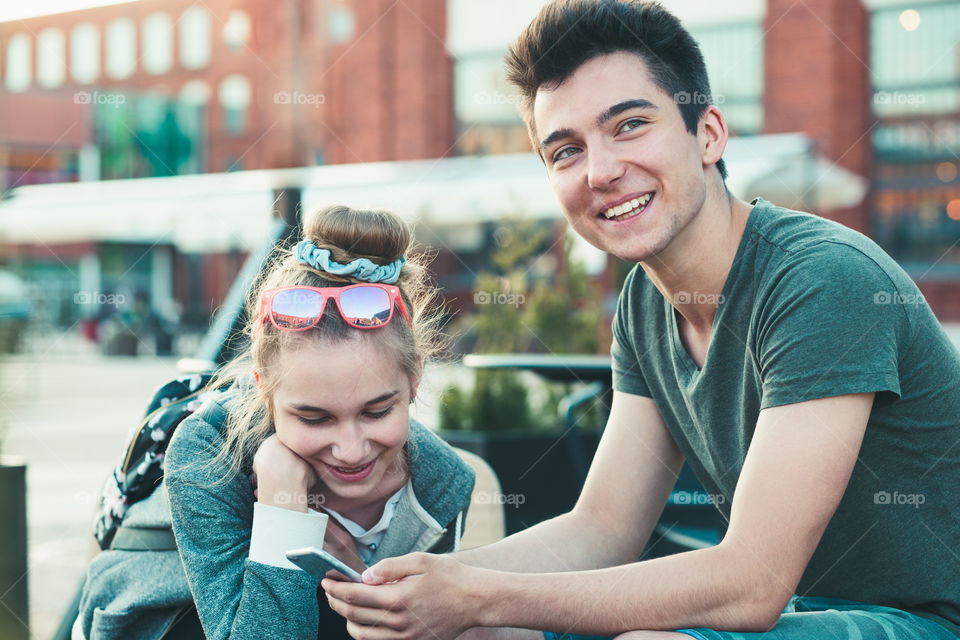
137, 593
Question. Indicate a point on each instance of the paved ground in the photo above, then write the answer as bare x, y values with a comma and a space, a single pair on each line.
67, 410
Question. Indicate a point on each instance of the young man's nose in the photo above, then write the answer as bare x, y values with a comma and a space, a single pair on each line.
603, 168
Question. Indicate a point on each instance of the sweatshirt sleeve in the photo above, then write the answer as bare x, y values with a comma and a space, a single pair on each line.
236, 598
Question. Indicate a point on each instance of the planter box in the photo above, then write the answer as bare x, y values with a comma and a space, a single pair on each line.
541, 473
14, 619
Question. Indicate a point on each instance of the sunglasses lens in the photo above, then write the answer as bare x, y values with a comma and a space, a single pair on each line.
365, 306
296, 308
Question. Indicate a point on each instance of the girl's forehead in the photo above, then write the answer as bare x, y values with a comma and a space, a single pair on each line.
354, 370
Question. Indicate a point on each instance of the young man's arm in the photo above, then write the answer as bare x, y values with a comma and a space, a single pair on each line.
630, 479
795, 473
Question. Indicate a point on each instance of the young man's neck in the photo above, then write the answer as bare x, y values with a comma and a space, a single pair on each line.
693, 269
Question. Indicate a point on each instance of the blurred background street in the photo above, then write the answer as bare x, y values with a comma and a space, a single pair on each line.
66, 411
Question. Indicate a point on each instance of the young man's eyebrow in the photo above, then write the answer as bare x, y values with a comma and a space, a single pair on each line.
620, 107
559, 134
602, 119
308, 408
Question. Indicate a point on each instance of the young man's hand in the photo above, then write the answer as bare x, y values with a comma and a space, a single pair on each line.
419, 595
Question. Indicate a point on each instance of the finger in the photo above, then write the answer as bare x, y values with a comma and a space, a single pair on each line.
369, 617
362, 632
356, 594
393, 569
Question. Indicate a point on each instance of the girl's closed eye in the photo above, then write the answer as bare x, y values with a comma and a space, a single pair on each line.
381, 413
313, 420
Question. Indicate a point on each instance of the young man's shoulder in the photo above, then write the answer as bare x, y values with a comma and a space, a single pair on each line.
801, 237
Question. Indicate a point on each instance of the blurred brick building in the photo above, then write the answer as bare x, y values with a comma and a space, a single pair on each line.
162, 87
168, 87
178, 86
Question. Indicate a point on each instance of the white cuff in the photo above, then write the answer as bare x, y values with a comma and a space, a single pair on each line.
277, 530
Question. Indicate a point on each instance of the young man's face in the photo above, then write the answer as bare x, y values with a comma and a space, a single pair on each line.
627, 173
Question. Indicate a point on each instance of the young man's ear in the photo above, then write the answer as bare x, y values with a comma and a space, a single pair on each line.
712, 134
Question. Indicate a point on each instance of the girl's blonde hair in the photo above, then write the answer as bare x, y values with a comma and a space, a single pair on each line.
348, 234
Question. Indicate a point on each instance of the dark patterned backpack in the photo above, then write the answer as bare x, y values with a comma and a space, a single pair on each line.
140, 469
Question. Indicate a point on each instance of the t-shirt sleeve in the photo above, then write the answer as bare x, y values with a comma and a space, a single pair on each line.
831, 324
627, 376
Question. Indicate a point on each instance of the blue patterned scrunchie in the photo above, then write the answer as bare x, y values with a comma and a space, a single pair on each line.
361, 268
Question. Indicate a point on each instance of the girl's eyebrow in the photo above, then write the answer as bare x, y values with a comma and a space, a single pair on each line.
383, 396
307, 408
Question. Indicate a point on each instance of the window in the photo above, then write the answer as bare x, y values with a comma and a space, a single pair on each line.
19, 64
734, 57
51, 58
195, 92
234, 95
85, 53
236, 31
157, 43
191, 110
482, 94
121, 48
195, 38
915, 71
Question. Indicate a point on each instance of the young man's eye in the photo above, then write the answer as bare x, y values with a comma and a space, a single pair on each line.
564, 153
632, 124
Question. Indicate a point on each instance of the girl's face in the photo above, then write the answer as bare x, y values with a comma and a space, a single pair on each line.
344, 408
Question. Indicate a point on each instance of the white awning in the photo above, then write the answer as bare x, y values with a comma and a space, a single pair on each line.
215, 212
785, 170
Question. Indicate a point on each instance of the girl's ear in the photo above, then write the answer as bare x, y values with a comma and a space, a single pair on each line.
260, 384
415, 380
262, 389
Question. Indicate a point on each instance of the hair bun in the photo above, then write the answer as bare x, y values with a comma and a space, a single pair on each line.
349, 233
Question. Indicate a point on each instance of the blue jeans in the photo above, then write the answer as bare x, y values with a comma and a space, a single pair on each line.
826, 619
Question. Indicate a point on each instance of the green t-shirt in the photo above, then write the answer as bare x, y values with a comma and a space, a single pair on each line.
812, 309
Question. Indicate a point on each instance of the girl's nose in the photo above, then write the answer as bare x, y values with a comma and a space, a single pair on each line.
351, 448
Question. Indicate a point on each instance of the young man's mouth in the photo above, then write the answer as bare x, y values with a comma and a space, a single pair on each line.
628, 209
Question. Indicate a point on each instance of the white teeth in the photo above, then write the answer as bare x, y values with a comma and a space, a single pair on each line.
630, 205
351, 469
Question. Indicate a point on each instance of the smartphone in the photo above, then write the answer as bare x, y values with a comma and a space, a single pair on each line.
318, 562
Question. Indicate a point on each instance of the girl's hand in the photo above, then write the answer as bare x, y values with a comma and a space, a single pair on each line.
281, 476
338, 543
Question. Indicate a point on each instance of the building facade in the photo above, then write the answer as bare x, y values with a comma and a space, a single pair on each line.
170, 87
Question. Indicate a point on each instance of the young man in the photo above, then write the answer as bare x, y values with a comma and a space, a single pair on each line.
786, 358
